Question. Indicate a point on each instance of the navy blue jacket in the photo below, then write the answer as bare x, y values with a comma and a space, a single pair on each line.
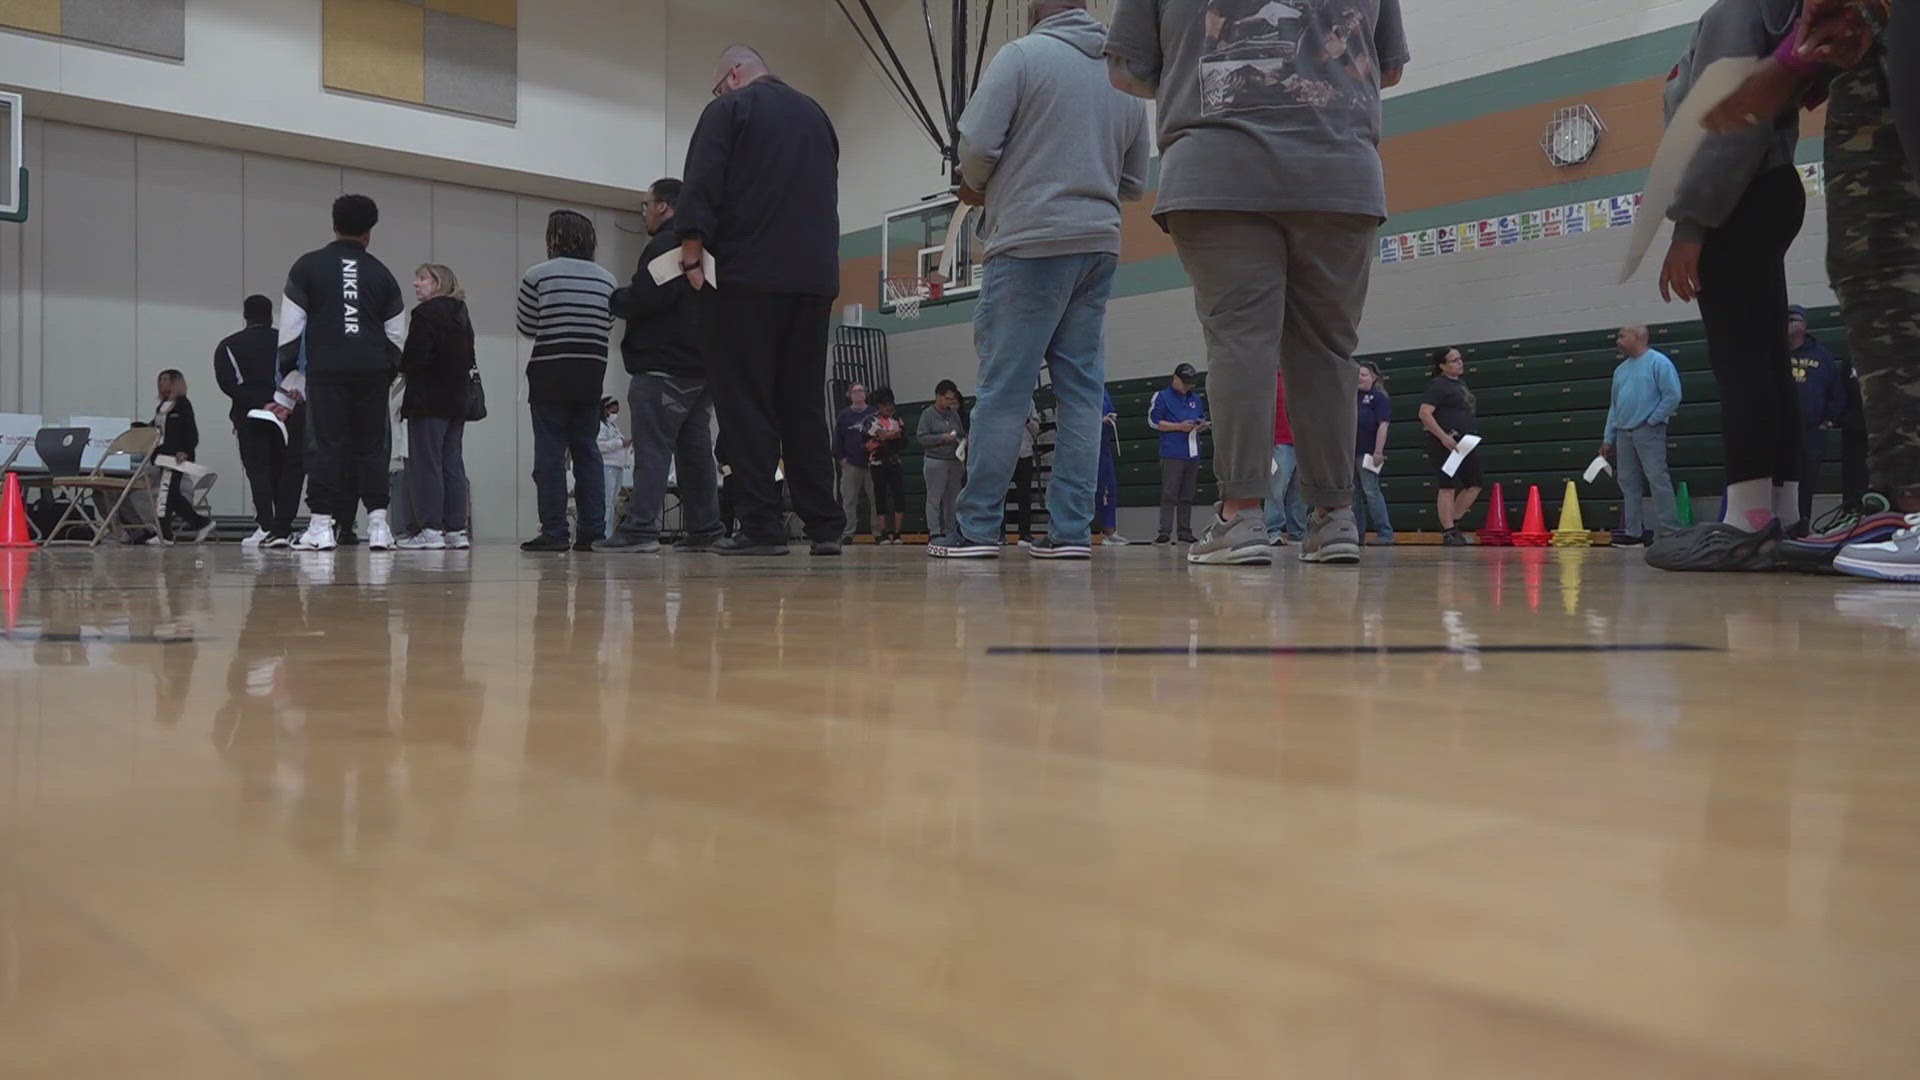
1822, 380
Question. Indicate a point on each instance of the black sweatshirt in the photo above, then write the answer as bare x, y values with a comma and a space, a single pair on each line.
179, 431
763, 190
247, 368
663, 334
343, 313
438, 360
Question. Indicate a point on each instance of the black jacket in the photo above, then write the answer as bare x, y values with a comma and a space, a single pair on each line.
344, 311
438, 360
179, 431
247, 368
763, 190
663, 332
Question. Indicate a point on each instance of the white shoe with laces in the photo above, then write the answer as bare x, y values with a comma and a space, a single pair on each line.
425, 540
379, 533
458, 540
255, 539
1893, 559
319, 535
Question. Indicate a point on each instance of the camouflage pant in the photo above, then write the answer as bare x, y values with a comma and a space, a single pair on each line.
1873, 256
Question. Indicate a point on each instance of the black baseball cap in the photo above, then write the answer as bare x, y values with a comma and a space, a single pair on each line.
1186, 373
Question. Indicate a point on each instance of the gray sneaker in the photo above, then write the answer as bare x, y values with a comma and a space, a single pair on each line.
1240, 542
1331, 538
1894, 559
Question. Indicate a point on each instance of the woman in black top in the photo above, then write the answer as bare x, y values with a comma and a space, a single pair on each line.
1447, 414
438, 365
885, 438
180, 439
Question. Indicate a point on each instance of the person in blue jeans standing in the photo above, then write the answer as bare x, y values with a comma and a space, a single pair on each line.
1286, 511
1050, 149
1646, 392
1376, 412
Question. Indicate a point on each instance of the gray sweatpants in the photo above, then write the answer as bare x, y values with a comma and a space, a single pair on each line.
1279, 293
944, 481
1179, 479
437, 473
672, 426
853, 480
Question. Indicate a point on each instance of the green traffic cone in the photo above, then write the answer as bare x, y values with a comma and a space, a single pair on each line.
1685, 499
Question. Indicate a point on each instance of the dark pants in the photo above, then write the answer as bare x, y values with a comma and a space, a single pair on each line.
1813, 451
1853, 455
889, 491
1743, 290
767, 364
350, 437
178, 505
437, 473
276, 469
672, 424
1179, 479
560, 430
1022, 499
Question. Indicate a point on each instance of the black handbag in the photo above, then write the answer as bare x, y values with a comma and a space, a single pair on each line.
476, 398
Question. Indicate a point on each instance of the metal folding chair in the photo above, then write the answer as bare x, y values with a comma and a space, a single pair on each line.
138, 444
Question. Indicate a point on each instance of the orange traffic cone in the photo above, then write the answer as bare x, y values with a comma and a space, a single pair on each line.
13, 580
13, 517
1495, 533
1573, 528
1533, 529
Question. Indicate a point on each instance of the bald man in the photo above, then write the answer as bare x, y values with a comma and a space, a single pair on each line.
762, 194
1646, 392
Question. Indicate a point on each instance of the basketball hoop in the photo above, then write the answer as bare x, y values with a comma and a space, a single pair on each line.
906, 291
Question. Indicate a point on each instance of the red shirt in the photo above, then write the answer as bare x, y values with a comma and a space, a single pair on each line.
1282, 430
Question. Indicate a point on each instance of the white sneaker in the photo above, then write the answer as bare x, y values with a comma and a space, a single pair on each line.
425, 540
1116, 538
255, 539
379, 533
458, 540
319, 535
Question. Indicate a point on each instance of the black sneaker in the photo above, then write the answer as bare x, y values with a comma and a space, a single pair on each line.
957, 546
1453, 538
1717, 547
583, 544
347, 538
1627, 539
1048, 548
618, 544
696, 545
1163, 538
826, 547
543, 542
740, 544
1189, 538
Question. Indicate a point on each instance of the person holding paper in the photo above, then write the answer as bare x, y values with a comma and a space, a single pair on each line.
1370, 454
942, 432
245, 366
1447, 415
1646, 392
1180, 414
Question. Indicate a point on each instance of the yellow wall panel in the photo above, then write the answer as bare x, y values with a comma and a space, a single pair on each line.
497, 12
376, 47
40, 16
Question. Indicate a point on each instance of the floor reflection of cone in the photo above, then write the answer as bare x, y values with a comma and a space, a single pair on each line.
14, 565
1570, 568
1533, 528
1573, 528
1496, 533
1535, 565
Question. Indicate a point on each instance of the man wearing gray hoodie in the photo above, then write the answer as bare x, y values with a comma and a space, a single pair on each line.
1051, 149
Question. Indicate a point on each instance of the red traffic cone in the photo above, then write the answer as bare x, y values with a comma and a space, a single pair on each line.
1533, 530
13, 517
1496, 533
14, 563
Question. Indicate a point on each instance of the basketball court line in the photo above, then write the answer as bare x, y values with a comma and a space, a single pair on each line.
1340, 650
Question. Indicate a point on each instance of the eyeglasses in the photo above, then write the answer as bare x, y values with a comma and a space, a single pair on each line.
721, 86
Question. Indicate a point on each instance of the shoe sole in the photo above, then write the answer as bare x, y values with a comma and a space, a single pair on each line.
1246, 555
1906, 573
1069, 551
759, 551
963, 551
1342, 551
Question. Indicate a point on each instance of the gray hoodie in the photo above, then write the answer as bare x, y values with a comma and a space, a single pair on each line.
1726, 164
1054, 147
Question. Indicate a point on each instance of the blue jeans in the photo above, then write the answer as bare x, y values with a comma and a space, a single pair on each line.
1286, 511
560, 430
1641, 455
1052, 309
1370, 509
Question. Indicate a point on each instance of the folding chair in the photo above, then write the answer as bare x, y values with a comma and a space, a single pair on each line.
137, 443
56, 452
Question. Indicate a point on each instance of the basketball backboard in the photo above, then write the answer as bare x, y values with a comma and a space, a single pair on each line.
13, 178
912, 240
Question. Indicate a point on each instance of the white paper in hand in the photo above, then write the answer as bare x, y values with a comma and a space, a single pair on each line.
1677, 149
1599, 465
1371, 464
667, 267
950, 251
1462, 448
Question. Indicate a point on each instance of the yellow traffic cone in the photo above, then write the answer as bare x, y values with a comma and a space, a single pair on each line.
1573, 530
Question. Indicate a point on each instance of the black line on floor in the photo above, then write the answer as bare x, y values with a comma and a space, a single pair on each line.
1337, 650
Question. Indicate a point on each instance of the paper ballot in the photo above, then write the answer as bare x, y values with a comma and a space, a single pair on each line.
1599, 465
950, 252
1677, 148
667, 267
1464, 446
1371, 464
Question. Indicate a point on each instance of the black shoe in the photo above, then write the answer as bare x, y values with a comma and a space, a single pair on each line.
543, 542
827, 547
740, 544
696, 545
1717, 547
1189, 538
278, 540
347, 538
583, 544
1627, 540
847, 539
1163, 538
1048, 548
1453, 538
626, 543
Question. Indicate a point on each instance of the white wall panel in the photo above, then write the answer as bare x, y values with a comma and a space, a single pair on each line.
84, 195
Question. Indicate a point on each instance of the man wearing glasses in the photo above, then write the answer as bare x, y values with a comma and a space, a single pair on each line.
762, 196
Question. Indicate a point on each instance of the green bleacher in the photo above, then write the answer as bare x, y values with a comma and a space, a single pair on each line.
1542, 408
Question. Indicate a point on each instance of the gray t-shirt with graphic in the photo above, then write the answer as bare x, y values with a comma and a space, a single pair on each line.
1265, 104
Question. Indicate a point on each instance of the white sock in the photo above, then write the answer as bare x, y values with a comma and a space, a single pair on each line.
1750, 504
1786, 502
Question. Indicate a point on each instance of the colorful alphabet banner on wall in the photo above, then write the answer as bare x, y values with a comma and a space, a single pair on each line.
458, 55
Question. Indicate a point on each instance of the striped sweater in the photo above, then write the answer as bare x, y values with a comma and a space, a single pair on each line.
564, 309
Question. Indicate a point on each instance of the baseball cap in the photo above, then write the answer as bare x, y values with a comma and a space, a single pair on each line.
1795, 311
1186, 373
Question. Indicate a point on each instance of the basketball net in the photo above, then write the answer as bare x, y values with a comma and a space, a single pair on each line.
905, 293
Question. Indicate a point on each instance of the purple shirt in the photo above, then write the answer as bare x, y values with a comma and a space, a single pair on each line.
1375, 409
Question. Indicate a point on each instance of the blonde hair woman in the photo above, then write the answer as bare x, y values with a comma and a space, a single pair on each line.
438, 365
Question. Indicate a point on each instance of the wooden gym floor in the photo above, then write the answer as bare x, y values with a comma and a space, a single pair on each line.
491, 815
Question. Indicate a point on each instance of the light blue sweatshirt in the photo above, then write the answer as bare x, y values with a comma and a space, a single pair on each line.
1646, 390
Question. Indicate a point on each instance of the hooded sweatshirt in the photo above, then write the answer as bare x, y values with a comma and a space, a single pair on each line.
1724, 168
1053, 146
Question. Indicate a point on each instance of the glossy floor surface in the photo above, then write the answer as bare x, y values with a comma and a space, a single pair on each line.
493, 815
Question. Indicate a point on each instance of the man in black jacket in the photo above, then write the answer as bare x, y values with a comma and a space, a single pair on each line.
672, 407
342, 322
247, 368
762, 192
